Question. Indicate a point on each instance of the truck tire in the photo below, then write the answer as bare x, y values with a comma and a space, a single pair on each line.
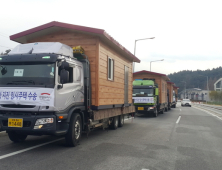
155, 113
15, 137
74, 133
121, 121
114, 124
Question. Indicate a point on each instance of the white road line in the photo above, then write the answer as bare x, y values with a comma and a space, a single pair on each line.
178, 120
209, 113
27, 149
129, 118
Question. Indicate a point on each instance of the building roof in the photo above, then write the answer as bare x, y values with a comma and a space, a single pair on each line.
150, 72
25, 36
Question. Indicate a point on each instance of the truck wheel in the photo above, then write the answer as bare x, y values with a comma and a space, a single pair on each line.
121, 121
15, 137
73, 135
114, 124
155, 113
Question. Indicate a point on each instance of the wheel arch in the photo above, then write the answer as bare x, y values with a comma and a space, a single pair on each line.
74, 110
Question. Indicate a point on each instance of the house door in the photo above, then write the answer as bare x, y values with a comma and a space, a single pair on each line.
126, 75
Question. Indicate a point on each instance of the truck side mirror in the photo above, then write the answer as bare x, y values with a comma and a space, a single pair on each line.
4, 70
64, 74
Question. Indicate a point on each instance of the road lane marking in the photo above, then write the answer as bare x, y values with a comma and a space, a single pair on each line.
178, 120
208, 112
27, 149
129, 118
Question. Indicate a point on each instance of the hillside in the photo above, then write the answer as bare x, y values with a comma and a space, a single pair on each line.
194, 80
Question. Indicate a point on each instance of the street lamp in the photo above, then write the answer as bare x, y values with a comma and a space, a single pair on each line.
135, 49
207, 87
154, 61
185, 88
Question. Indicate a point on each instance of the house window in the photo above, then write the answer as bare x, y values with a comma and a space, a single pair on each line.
110, 68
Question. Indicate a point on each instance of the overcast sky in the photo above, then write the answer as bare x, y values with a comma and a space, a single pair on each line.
187, 33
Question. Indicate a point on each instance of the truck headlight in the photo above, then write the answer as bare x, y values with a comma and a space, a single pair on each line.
43, 121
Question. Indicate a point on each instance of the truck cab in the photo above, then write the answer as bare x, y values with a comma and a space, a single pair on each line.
145, 96
41, 84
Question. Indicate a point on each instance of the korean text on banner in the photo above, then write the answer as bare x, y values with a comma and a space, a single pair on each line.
143, 99
27, 96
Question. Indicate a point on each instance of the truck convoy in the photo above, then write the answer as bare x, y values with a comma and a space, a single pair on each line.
150, 92
50, 88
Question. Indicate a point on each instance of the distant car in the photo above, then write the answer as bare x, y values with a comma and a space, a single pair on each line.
186, 102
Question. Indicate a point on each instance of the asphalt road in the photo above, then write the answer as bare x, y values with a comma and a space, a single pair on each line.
183, 138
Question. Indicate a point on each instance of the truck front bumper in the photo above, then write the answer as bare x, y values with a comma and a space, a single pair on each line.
56, 128
144, 109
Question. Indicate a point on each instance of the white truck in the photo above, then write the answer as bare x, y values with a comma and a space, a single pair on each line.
45, 90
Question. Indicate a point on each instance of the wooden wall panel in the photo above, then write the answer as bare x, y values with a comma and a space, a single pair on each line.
112, 92
170, 88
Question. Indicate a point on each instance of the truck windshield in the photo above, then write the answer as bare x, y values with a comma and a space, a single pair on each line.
142, 92
27, 74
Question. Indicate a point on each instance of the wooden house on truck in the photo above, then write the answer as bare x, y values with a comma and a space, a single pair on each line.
160, 80
110, 65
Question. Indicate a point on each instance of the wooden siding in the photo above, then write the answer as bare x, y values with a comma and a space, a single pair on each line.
170, 88
158, 80
176, 93
112, 92
89, 43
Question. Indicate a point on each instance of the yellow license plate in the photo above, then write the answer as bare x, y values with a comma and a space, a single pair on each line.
140, 108
15, 122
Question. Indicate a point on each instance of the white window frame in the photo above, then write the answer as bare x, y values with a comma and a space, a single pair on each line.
112, 69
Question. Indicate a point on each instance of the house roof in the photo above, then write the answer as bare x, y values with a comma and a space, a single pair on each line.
170, 82
54, 26
150, 72
175, 87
